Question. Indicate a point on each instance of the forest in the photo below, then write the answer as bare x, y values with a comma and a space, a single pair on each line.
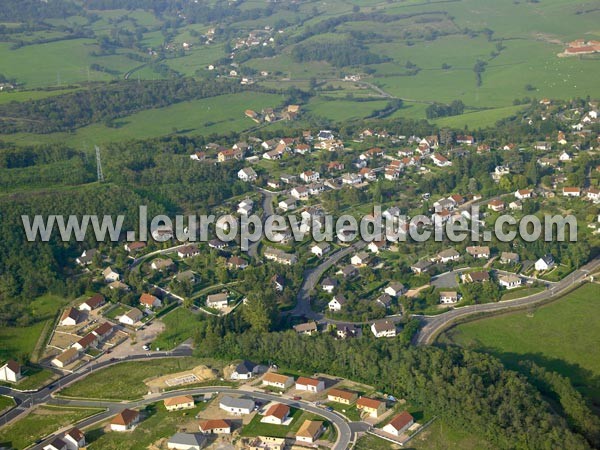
469, 391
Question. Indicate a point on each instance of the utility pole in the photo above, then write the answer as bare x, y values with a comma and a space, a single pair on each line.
99, 165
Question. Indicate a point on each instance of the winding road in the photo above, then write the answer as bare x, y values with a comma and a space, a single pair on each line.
433, 325
345, 432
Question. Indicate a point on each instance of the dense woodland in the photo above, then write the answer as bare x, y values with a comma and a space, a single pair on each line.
469, 391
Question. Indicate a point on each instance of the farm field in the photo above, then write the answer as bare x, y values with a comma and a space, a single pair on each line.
219, 114
559, 336
41, 422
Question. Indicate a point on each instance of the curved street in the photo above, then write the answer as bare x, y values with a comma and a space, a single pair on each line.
345, 433
433, 325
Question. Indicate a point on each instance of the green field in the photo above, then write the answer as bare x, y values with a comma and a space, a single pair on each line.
21, 341
559, 337
156, 423
256, 428
179, 326
125, 381
220, 114
41, 422
6, 402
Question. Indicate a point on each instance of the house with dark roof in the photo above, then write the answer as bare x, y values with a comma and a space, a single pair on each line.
95, 301
11, 372
70, 317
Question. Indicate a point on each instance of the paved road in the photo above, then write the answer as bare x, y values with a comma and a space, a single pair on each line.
268, 210
312, 277
26, 400
434, 324
345, 433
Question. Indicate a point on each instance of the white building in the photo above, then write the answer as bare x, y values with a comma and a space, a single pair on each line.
11, 372
509, 281
237, 406
383, 328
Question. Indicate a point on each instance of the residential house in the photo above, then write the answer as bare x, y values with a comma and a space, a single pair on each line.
310, 384
65, 358
509, 281
515, 205
448, 255
218, 301
351, 179
329, 284
337, 302
564, 157
349, 271
399, 424
302, 149
89, 340
56, 444
236, 405
309, 176
496, 205
342, 396
395, 289
509, 258
308, 328
370, 406
384, 300
11, 372
187, 441
309, 431
377, 246
217, 244
162, 264
421, 266
247, 174
150, 301
347, 331
523, 194
132, 247
103, 331
325, 135
188, 251
198, 156
178, 403
277, 414
110, 275
383, 328
543, 146
280, 256
479, 252
571, 192
289, 204
544, 263
440, 160
235, 262
70, 317
465, 139
320, 249
87, 257
74, 438
95, 301
245, 370
335, 166
131, 317
229, 155
215, 426
277, 380
448, 297
299, 192
593, 194
126, 420
476, 277
361, 259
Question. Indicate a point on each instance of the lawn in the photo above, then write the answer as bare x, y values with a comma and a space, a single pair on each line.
156, 423
180, 325
559, 336
349, 411
19, 341
40, 423
520, 293
6, 402
256, 428
125, 381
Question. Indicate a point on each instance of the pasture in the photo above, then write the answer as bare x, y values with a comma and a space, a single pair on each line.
560, 336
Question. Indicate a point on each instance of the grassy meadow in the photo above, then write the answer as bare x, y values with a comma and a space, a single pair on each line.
562, 336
